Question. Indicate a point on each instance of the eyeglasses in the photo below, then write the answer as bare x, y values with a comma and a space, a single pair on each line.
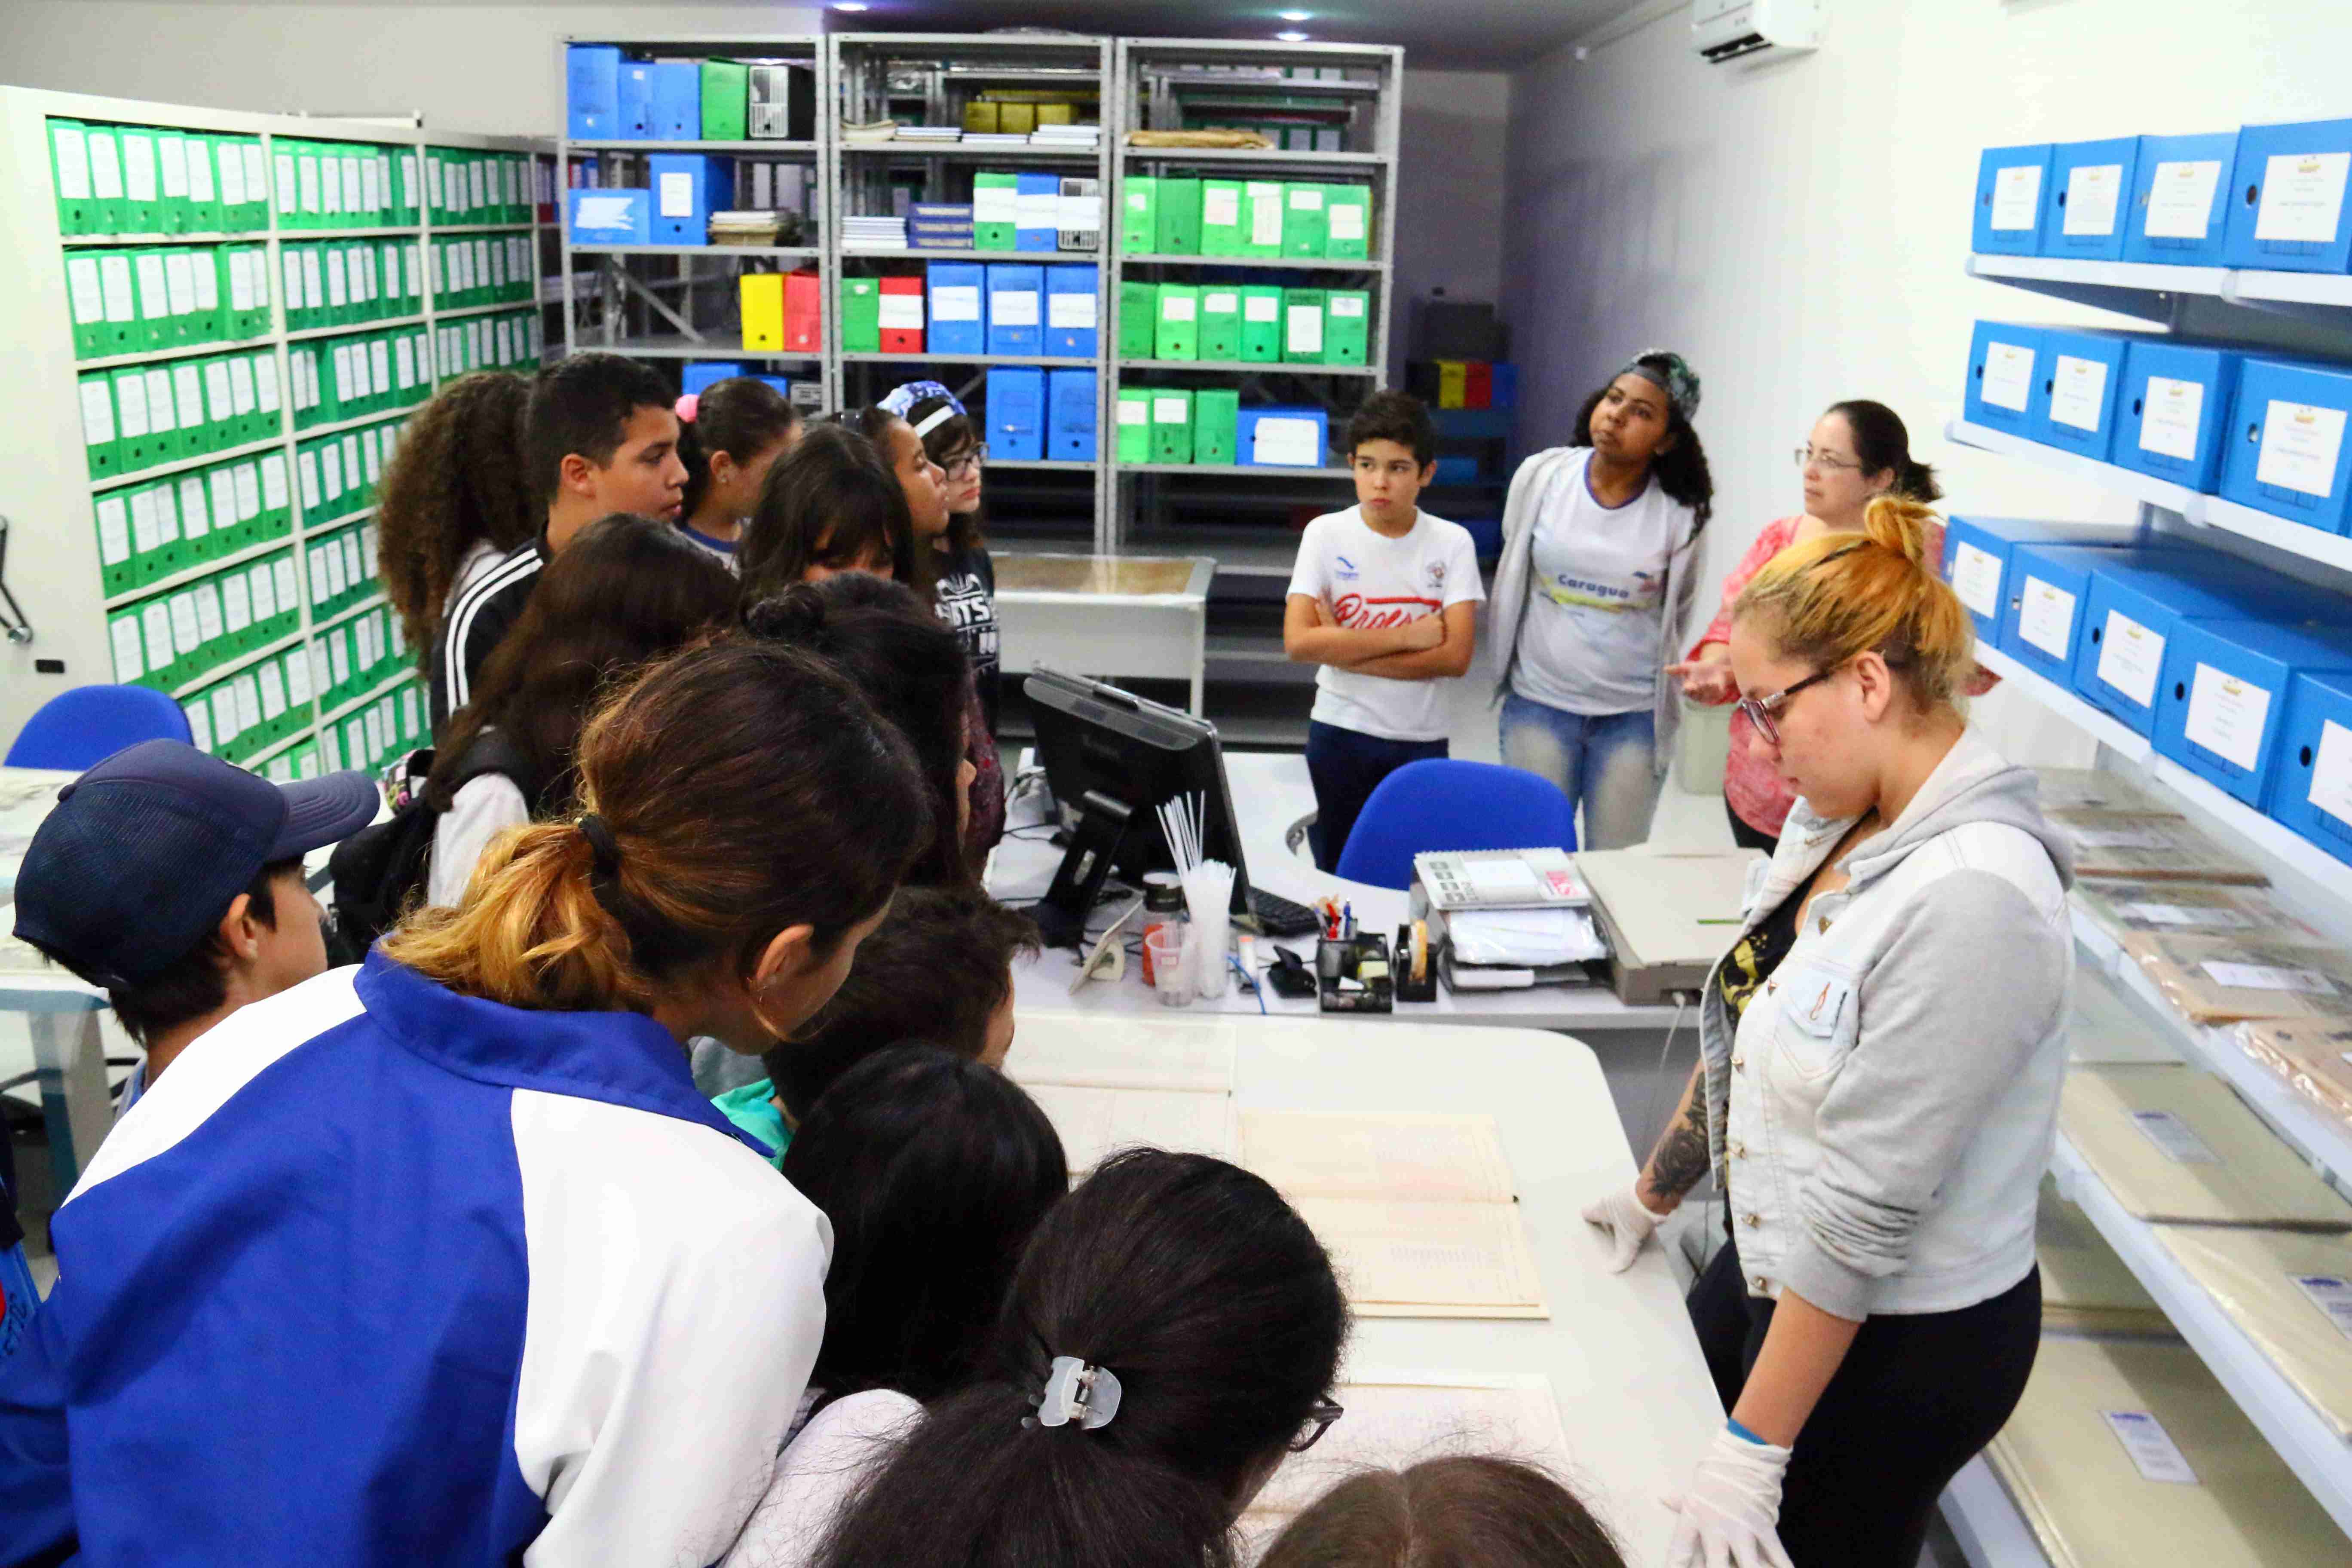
1807, 458
1760, 710
968, 463
1318, 1421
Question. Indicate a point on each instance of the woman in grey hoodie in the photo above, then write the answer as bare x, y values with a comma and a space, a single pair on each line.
1877, 1094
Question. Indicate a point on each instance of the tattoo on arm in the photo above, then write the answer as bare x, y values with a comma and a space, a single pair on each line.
1681, 1157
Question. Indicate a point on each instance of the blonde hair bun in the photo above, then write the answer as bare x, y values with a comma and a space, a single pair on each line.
1833, 598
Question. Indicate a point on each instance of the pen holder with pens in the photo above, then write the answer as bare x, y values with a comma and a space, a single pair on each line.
1352, 974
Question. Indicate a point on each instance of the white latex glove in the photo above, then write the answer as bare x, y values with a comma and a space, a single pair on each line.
1731, 1508
1628, 1222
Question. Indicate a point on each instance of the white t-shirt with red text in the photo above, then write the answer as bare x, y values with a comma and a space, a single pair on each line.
1371, 580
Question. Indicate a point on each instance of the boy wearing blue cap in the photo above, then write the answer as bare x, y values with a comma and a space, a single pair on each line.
175, 880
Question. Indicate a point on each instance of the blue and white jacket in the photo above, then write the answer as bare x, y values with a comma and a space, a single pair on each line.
382, 1274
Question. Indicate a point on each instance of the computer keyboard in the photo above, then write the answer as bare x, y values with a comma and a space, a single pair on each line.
1278, 916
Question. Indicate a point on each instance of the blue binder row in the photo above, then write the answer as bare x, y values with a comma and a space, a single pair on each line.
2269, 432
2264, 198
1033, 414
1014, 307
2240, 676
687, 188
607, 98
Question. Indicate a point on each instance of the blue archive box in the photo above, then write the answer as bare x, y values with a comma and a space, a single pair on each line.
677, 101
687, 186
1016, 413
2089, 203
2139, 599
2311, 782
2010, 184
1070, 415
633, 119
1282, 438
2074, 400
1036, 208
591, 91
2041, 613
1016, 310
2288, 206
2286, 451
1071, 313
2181, 200
701, 373
1977, 552
2005, 366
2172, 409
958, 307
610, 217
2222, 700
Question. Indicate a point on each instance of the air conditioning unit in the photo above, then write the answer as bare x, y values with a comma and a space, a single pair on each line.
1724, 30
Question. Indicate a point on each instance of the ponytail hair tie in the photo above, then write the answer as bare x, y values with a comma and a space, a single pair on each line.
688, 406
601, 844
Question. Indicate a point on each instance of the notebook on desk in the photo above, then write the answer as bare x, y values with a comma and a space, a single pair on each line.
1499, 879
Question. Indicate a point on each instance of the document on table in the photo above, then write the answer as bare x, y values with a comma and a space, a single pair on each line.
1094, 1124
1085, 1052
1456, 1159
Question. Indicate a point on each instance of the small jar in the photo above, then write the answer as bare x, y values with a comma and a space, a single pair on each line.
1162, 893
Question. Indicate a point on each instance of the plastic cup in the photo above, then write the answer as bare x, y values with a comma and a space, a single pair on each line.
1171, 979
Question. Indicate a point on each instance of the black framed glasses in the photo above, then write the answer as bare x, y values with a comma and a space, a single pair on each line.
967, 462
1760, 710
1318, 1421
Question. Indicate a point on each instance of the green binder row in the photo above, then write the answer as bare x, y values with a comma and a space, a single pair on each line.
295, 762
341, 567
148, 533
1243, 324
861, 315
340, 378
358, 655
483, 270
183, 635
343, 282
488, 342
138, 179
261, 706
464, 186
143, 417
380, 733
1171, 216
1167, 425
166, 298
337, 475
344, 185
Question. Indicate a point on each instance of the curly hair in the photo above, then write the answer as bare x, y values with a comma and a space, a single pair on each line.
1680, 466
456, 478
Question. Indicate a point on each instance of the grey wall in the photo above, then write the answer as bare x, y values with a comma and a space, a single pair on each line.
1450, 192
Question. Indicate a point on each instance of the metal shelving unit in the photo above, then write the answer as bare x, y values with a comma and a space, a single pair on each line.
56, 541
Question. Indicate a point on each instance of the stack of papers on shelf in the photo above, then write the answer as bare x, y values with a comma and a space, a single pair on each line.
2125, 908
2292, 1294
1525, 939
874, 234
2103, 1027
2151, 849
2312, 1055
1086, 138
2083, 1284
928, 133
870, 131
1419, 1212
2173, 1144
2073, 789
2225, 978
996, 139
2129, 1451
939, 225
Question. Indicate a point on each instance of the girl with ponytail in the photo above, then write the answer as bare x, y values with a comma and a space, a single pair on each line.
1881, 1055
1859, 451
478, 1271
729, 435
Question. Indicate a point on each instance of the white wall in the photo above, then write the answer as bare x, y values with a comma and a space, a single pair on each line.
1798, 229
1450, 170
488, 68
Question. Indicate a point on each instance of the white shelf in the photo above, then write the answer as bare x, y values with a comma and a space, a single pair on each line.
376, 693
2308, 1445
927, 358
201, 569
606, 145
182, 465
177, 351
2139, 289
1250, 367
801, 251
1043, 465
374, 601
2108, 731
458, 312
1303, 263
1252, 155
219, 672
957, 149
1986, 1522
345, 329
2296, 538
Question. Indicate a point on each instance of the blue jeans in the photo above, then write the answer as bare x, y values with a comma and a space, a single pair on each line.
1605, 763
1347, 766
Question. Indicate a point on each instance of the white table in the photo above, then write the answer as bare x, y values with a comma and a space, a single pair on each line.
1635, 1400
1271, 793
1105, 615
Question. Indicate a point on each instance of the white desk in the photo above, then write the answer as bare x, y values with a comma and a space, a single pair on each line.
1635, 1400
1270, 793
1105, 615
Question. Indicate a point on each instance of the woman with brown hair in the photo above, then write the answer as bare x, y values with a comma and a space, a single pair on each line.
455, 498
1470, 1511
442, 1259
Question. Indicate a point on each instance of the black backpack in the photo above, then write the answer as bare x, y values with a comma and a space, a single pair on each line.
378, 871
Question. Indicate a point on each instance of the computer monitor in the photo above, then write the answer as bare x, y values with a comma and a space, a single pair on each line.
1111, 760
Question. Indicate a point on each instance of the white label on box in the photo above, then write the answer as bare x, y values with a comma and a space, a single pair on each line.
331, 466
2016, 197
340, 656
1348, 220
232, 174
2301, 442
676, 195
73, 162
2008, 375
355, 569
371, 458
236, 601
2151, 1449
97, 411
240, 280
205, 276
114, 272
273, 691
248, 493
306, 469
248, 703
1134, 411
184, 636
1348, 307
297, 678
994, 204
902, 313
154, 293
307, 171
2332, 1294
113, 531
312, 293
220, 404
1289, 443
200, 723
2226, 716
2269, 977
225, 720
85, 289
1305, 334
2172, 413
2179, 915
1220, 302
1171, 410
160, 417
1261, 308
1265, 217
2331, 772
2131, 657
242, 399
1221, 207
172, 157
131, 405
209, 613
2092, 192
2177, 1139
128, 665
192, 522
223, 495
270, 597
404, 362
1077, 215
2078, 388
2303, 197
1073, 311
339, 291
139, 166
1035, 209
167, 515
376, 739
2181, 200
1014, 307
370, 185
273, 481
1306, 198
106, 167
257, 184
1178, 307
199, 174
320, 592
378, 360
180, 282
155, 626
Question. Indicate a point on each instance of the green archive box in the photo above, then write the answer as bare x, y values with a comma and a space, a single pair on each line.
1261, 324
1346, 326
1138, 318
861, 315
1221, 322
79, 211
100, 431
135, 435
1302, 326
1134, 425
1348, 222
726, 97
1216, 414
1262, 215
1178, 336
1139, 219
1171, 425
995, 198
210, 208
103, 144
1178, 232
86, 303
153, 295
1221, 218
1305, 225
141, 195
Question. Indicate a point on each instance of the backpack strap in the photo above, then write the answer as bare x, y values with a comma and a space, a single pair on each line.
494, 752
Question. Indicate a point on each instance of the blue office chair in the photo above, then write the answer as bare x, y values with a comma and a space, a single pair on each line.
77, 729
1442, 804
